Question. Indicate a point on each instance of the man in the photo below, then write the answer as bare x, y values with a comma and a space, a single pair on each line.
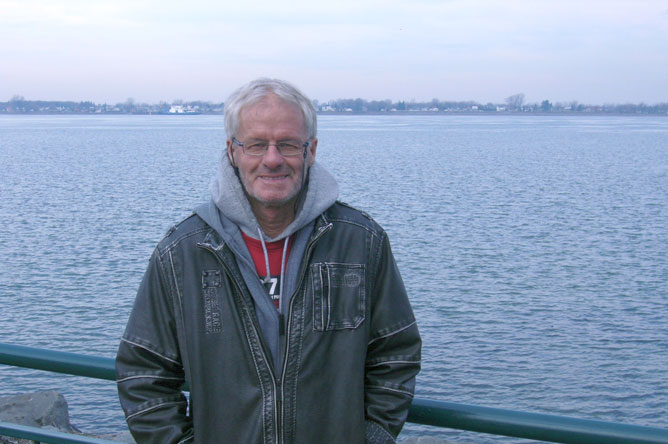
280, 307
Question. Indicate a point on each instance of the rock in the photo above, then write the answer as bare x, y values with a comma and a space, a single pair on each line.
6, 440
40, 409
47, 410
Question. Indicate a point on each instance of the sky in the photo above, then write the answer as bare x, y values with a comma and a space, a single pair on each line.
590, 51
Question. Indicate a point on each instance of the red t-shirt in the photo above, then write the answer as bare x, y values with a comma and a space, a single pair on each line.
275, 253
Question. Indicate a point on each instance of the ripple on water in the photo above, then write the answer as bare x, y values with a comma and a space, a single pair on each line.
533, 248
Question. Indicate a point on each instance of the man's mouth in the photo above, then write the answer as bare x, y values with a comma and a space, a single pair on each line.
274, 178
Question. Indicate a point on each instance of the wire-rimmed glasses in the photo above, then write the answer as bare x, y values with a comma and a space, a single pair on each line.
287, 148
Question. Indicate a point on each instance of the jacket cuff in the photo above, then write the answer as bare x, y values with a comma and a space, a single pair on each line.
376, 434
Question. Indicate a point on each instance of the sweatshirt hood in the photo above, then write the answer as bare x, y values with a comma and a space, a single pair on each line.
322, 191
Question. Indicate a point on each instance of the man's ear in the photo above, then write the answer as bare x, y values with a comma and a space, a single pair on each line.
230, 152
310, 158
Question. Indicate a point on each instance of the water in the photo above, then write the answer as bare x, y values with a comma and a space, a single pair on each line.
533, 248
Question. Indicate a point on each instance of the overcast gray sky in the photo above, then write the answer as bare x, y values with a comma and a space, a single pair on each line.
592, 51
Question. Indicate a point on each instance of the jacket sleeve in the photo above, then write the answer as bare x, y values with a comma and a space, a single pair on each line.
393, 354
149, 371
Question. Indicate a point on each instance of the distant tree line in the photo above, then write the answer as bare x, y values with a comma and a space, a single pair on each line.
514, 104
19, 105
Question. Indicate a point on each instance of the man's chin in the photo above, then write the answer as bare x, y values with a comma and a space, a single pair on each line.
275, 201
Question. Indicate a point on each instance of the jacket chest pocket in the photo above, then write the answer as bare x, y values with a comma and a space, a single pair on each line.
338, 295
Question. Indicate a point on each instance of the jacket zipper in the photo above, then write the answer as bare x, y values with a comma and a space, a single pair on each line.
276, 403
278, 384
281, 324
302, 274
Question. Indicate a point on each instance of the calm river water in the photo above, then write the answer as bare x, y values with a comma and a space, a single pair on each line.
534, 249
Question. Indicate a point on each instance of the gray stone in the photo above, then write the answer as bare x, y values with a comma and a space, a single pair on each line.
40, 409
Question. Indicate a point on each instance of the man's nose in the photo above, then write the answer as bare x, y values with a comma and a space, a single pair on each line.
272, 158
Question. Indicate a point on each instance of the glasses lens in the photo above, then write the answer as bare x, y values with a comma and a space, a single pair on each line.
260, 148
290, 148
256, 148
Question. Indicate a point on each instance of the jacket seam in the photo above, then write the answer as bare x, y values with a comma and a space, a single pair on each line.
299, 358
170, 246
170, 378
153, 407
178, 296
374, 259
390, 389
136, 344
355, 223
371, 230
171, 287
368, 220
176, 283
392, 333
396, 361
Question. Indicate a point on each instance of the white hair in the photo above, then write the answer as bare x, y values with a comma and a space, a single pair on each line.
257, 90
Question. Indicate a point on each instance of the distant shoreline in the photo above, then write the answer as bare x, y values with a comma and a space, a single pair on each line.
513, 105
394, 113
492, 114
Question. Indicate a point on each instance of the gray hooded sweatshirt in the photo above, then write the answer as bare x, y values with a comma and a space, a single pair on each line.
229, 213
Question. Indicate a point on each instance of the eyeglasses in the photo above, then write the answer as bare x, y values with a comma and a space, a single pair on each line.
287, 148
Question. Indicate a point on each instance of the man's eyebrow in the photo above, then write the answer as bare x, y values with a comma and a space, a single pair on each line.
281, 140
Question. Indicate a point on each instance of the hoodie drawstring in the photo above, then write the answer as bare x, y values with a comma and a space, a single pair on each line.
267, 277
280, 297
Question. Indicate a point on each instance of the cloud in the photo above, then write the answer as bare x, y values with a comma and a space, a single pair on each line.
58, 14
410, 48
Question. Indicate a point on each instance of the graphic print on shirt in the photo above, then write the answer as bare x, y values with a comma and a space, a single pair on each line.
275, 255
273, 286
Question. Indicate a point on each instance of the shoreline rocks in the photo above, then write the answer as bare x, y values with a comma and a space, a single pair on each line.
45, 409
39, 409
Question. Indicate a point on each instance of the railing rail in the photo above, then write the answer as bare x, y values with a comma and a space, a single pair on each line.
517, 424
48, 436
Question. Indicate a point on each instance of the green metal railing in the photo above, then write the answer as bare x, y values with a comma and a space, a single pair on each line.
495, 421
48, 436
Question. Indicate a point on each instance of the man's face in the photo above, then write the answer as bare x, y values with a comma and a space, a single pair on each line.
271, 180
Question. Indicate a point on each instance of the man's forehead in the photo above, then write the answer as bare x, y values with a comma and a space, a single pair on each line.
269, 111
269, 102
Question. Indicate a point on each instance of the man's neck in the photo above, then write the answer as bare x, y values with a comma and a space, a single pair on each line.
273, 220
